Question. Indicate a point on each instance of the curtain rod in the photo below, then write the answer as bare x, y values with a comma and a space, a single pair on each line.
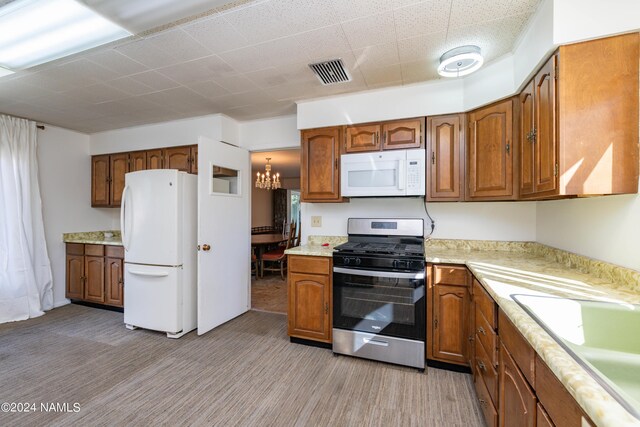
38, 125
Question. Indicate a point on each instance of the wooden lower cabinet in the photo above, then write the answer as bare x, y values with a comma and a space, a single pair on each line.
310, 282
94, 273
517, 403
447, 313
542, 418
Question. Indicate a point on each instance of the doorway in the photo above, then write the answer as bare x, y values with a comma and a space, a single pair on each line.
275, 205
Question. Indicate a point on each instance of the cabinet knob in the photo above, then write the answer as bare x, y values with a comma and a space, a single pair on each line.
481, 330
481, 365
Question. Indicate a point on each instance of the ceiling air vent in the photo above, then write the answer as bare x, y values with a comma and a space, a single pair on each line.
331, 72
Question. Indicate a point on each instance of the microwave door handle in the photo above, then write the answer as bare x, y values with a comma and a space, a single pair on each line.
402, 175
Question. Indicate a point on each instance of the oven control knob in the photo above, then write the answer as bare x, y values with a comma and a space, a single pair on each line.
346, 260
358, 261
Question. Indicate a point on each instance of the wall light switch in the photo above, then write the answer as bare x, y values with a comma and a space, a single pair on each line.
316, 221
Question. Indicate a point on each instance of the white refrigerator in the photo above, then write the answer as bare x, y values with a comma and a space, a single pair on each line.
158, 219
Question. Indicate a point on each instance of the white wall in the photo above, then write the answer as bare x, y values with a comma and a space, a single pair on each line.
477, 221
605, 228
266, 134
65, 186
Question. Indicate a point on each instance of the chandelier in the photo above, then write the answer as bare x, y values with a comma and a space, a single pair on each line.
266, 181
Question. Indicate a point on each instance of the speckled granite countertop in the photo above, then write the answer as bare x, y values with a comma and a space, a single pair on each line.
314, 246
531, 268
94, 238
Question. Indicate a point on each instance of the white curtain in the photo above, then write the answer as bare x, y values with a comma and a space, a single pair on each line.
25, 270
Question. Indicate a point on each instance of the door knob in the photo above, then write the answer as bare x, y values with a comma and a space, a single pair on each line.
206, 247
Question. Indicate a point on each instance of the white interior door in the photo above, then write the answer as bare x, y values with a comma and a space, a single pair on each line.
223, 227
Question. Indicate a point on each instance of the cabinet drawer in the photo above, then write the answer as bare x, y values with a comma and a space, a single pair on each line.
518, 347
114, 251
487, 337
75, 248
561, 407
450, 275
486, 371
485, 304
94, 250
309, 264
488, 410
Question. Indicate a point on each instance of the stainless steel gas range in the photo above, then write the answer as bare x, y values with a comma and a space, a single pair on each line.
379, 291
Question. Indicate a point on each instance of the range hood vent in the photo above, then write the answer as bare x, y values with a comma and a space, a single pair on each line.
331, 72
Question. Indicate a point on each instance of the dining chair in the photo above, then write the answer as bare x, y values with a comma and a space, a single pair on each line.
255, 263
277, 256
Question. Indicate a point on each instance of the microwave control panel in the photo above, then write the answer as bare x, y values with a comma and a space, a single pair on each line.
415, 172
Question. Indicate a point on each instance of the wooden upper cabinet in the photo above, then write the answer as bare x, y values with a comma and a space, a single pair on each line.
320, 169
154, 159
362, 138
545, 157
490, 150
100, 181
402, 134
178, 158
445, 158
138, 161
527, 139
119, 166
194, 159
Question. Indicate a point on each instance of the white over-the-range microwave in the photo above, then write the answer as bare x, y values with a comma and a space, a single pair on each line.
383, 173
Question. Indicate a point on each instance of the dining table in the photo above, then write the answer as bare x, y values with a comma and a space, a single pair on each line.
263, 241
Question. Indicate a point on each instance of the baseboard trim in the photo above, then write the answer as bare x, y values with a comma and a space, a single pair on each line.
310, 343
448, 366
101, 306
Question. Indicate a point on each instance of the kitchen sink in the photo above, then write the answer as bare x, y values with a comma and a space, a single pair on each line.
602, 336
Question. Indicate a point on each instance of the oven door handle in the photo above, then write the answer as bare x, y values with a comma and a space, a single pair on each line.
386, 274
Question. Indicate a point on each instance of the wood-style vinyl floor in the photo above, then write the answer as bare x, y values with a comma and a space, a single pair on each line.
245, 372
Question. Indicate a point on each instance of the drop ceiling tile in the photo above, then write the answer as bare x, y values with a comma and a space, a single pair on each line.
386, 74
235, 84
179, 45
419, 71
198, 70
370, 30
208, 89
216, 34
324, 43
352, 9
297, 17
21, 90
274, 76
124, 107
130, 86
516, 7
263, 110
179, 99
495, 38
472, 12
84, 70
422, 18
377, 56
146, 53
384, 84
246, 59
283, 51
294, 91
117, 62
426, 46
155, 80
96, 94
257, 22
53, 101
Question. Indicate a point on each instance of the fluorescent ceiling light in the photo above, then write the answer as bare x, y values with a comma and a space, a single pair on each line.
38, 31
460, 61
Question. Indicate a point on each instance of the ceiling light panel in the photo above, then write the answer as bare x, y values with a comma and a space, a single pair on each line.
39, 31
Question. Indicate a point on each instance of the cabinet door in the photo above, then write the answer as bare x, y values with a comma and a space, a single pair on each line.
154, 159
527, 139
310, 306
114, 282
546, 179
194, 159
444, 167
362, 138
100, 181
75, 277
490, 152
402, 134
178, 158
138, 161
542, 418
319, 172
517, 405
450, 336
119, 166
94, 279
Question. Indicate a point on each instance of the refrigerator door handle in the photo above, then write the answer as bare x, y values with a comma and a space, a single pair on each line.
149, 274
123, 222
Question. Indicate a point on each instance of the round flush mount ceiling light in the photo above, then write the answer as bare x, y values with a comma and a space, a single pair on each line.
460, 61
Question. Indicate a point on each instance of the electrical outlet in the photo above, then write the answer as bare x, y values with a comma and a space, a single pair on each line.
316, 221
